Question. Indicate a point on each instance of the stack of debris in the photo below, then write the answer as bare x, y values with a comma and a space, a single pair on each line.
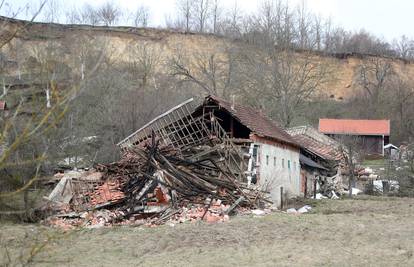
151, 185
180, 166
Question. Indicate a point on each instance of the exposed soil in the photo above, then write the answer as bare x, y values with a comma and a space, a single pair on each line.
362, 232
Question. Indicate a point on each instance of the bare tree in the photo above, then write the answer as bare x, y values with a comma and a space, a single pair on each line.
52, 11
143, 63
72, 16
216, 15
404, 47
86, 15
141, 16
276, 23
185, 13
402, 107
211, 72
90, 15
373, 75
303, 26
231, 24
317, 29
201, 14
282, 81
27, 131
109, 13
17, 135
350, 148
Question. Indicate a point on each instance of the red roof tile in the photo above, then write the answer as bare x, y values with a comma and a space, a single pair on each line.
324, 151
3, 105
257, 122
354, 127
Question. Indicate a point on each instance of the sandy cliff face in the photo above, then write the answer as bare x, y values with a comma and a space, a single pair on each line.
33, 42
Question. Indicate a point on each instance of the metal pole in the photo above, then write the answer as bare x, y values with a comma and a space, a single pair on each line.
281, 197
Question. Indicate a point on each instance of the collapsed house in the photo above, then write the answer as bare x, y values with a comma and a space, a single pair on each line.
320, 158
260, 153
190, 162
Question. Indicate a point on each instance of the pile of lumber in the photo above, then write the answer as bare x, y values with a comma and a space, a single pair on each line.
155, 182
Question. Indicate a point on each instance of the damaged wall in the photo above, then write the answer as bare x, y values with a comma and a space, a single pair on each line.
278, 166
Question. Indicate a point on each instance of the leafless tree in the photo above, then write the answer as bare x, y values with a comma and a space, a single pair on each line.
350, 147
287, 79
143, 63
185, 13
231, 24
86, 15
303, 26
52, 11
72, 16
109, 13
201, 14
373, 75
206, 70
28, 128
216, 15
16, 134
401, 100
318, 32
89, 15
276, 23
141, 16
404, 47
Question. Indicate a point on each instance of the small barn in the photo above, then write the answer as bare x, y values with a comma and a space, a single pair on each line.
372, 135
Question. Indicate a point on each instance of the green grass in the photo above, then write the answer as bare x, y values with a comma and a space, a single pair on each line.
376, 162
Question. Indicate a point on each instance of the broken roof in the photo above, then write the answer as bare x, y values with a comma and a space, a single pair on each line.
314, 134
308, 162
315, 142
256, 121
354, 127
327, 152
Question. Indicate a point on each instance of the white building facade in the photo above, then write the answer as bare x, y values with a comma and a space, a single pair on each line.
277, 165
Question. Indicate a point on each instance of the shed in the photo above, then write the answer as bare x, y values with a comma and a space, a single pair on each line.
372, 135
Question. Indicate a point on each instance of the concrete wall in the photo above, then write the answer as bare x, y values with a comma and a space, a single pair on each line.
278, 166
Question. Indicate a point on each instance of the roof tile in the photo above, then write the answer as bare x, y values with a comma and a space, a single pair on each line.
256, 121
354, 127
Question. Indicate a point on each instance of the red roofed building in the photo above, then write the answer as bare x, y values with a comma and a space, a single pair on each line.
373, 134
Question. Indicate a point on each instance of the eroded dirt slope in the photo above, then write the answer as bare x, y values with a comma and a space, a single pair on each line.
166, 43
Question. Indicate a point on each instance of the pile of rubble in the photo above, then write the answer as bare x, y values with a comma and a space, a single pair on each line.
151, 185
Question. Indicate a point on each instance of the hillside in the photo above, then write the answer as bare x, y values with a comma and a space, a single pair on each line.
30, 45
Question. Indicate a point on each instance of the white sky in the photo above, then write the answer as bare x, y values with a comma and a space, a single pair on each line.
384, 18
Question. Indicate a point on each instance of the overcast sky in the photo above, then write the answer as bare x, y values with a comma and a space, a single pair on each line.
384, 18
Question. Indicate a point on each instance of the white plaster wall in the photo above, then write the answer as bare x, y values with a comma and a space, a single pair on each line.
273, 176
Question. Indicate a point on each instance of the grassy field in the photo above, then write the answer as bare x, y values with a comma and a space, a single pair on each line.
359, 232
